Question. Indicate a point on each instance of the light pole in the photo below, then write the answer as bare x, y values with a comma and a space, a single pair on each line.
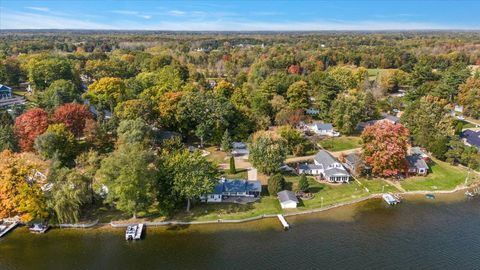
321, 206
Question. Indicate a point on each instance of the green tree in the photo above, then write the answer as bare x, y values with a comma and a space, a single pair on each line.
192, 175
298, 95
106, 93
69, 193
276, 183
57, 142
233, 170
469, 96
267, 153
134, 131
58, 93
8, 139
303, 183
130, 175
429, 122
43, 72
226, 141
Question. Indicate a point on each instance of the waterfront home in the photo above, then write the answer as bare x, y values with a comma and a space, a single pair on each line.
287, 199
326, 167
233, 188
417, 165
419, 151
471, 138
323, 129
353, 162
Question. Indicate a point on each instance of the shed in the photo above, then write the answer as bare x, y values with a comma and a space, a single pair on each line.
287, 199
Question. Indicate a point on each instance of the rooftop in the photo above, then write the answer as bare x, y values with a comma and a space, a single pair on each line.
287, 195
322, 126
325, 158
416, 161
472, 137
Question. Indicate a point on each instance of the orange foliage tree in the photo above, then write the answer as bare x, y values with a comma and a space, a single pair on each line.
18, 195
385, 148
29, 126
74, 116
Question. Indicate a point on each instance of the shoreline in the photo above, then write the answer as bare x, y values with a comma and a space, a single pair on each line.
119, 224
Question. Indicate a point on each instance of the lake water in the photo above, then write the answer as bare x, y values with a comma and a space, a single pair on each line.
417, 234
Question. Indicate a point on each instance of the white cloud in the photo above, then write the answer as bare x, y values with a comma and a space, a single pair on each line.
44, 9
25, 20
203, 22
132, 13
177, 13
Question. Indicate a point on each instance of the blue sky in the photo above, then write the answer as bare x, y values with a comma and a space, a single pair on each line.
246, 15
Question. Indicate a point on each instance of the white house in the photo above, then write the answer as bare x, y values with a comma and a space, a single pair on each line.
327, 167
287, 199
323, 129
5, 92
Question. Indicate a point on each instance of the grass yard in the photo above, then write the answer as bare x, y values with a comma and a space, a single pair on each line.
216, 156
241, 174
443, 176
341, 143
214, 211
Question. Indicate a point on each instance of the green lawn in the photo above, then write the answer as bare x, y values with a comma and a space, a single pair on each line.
341, 143
216, 156
241, 174
443, 176
214, 211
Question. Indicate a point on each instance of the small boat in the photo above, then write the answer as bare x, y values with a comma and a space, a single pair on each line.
430, 196
39, 228
390, 199
469, 194
134, 232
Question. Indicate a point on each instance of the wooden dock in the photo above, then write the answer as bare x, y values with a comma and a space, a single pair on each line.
284, 222
9, 228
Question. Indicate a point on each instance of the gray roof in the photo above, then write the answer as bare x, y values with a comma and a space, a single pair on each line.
336, 172
416, 151
326, 126
472, 137
307, 166
325, 158
417, 162
391, 118
352, 158
287, 195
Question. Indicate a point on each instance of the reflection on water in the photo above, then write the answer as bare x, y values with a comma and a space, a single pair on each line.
417, 234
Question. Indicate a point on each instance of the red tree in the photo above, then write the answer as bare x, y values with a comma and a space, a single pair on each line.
29, 126
385, 148
294, 69
74, 116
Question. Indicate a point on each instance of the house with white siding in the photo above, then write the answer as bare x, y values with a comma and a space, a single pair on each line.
326, 167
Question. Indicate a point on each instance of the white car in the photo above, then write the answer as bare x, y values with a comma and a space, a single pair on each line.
460, 117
